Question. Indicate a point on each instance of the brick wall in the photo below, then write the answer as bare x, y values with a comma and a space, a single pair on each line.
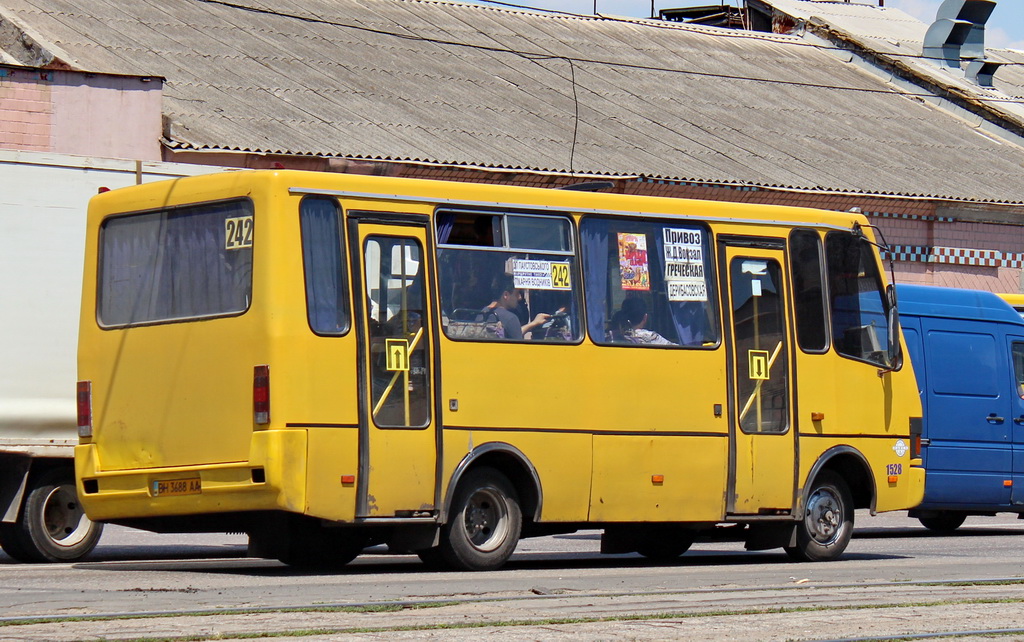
26, 111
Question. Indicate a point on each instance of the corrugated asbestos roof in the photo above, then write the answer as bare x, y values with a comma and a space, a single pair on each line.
439, 82
900, 37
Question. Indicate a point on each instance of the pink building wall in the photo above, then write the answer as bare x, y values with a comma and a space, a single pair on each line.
78, 113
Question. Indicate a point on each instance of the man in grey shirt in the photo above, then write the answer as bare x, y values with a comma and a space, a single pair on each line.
506, 301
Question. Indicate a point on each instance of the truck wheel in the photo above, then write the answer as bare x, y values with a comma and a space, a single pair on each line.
827, 525
944, 521
52, 526
484, 526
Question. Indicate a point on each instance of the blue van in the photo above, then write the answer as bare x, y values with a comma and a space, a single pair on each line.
967, 349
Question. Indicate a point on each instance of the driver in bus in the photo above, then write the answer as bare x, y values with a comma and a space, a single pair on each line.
507, 300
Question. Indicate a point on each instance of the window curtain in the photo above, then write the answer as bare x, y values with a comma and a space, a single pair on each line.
594, 237
324, 266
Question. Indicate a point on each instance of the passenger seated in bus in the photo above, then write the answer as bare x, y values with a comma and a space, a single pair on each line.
506, 301
627, 325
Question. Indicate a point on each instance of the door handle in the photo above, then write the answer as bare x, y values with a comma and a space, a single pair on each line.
1019, 420
993, 419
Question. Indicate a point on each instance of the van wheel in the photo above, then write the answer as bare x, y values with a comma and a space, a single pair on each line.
51, 526
485, 522
944, 521
827, 525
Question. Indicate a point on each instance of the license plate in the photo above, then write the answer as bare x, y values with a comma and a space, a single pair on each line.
168, 487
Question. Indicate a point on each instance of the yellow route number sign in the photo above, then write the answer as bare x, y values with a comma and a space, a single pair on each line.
758, 364
397, 354
560, 279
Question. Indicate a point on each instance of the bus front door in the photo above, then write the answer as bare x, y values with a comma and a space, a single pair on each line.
762, 457
397, 445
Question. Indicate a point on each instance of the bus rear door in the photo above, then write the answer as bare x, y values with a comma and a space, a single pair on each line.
397, 449
762, 472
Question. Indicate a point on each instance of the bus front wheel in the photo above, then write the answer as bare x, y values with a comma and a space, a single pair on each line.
827, 523
52, 526
484, 526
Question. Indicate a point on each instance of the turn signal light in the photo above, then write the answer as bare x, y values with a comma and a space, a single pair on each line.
261, 394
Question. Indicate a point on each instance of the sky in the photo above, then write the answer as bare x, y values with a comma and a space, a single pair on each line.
1005, 29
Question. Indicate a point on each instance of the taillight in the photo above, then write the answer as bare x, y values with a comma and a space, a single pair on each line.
261, 394
84, 408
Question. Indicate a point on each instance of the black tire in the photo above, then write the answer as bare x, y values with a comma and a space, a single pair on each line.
944, 521
432, 557
484, 524
311, 546
666, 544
827, 524
51, 526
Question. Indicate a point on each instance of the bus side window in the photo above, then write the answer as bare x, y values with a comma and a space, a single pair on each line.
507, 277
805, 263
323, 262
649, 283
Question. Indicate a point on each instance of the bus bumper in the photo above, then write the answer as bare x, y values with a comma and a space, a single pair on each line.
272, 479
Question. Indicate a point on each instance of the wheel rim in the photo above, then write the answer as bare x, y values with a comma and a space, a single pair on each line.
486, 519
825, 515
63, 517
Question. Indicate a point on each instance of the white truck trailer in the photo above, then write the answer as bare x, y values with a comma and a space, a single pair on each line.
43, 201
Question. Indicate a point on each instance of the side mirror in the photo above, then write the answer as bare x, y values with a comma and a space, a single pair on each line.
895, 353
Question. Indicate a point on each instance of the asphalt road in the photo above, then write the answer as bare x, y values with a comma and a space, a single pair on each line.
896, 579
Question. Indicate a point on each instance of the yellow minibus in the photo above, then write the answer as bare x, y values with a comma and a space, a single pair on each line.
329, 362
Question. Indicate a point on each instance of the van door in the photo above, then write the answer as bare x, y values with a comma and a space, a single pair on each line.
398, 446
1017, 429
969, 414
762, 470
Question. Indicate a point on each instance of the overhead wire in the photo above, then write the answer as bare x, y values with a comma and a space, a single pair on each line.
609, 63
579, 59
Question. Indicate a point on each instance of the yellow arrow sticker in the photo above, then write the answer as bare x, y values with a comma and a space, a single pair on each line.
758, 364
398, 354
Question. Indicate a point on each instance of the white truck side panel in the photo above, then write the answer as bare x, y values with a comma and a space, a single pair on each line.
43, 201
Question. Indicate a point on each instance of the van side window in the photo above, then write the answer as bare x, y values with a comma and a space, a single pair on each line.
176, 264
808, 287
648, 283
324, 266
859, 323
1018, 367
507, 276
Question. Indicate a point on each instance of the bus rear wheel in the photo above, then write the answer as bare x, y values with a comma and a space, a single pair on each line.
827, 524
52, 526
485, 522
943, 521
666, 543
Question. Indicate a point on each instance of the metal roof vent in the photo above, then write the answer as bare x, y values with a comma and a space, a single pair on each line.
958, 35
981, 71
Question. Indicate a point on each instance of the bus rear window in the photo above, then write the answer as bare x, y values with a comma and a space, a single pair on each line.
175, 264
